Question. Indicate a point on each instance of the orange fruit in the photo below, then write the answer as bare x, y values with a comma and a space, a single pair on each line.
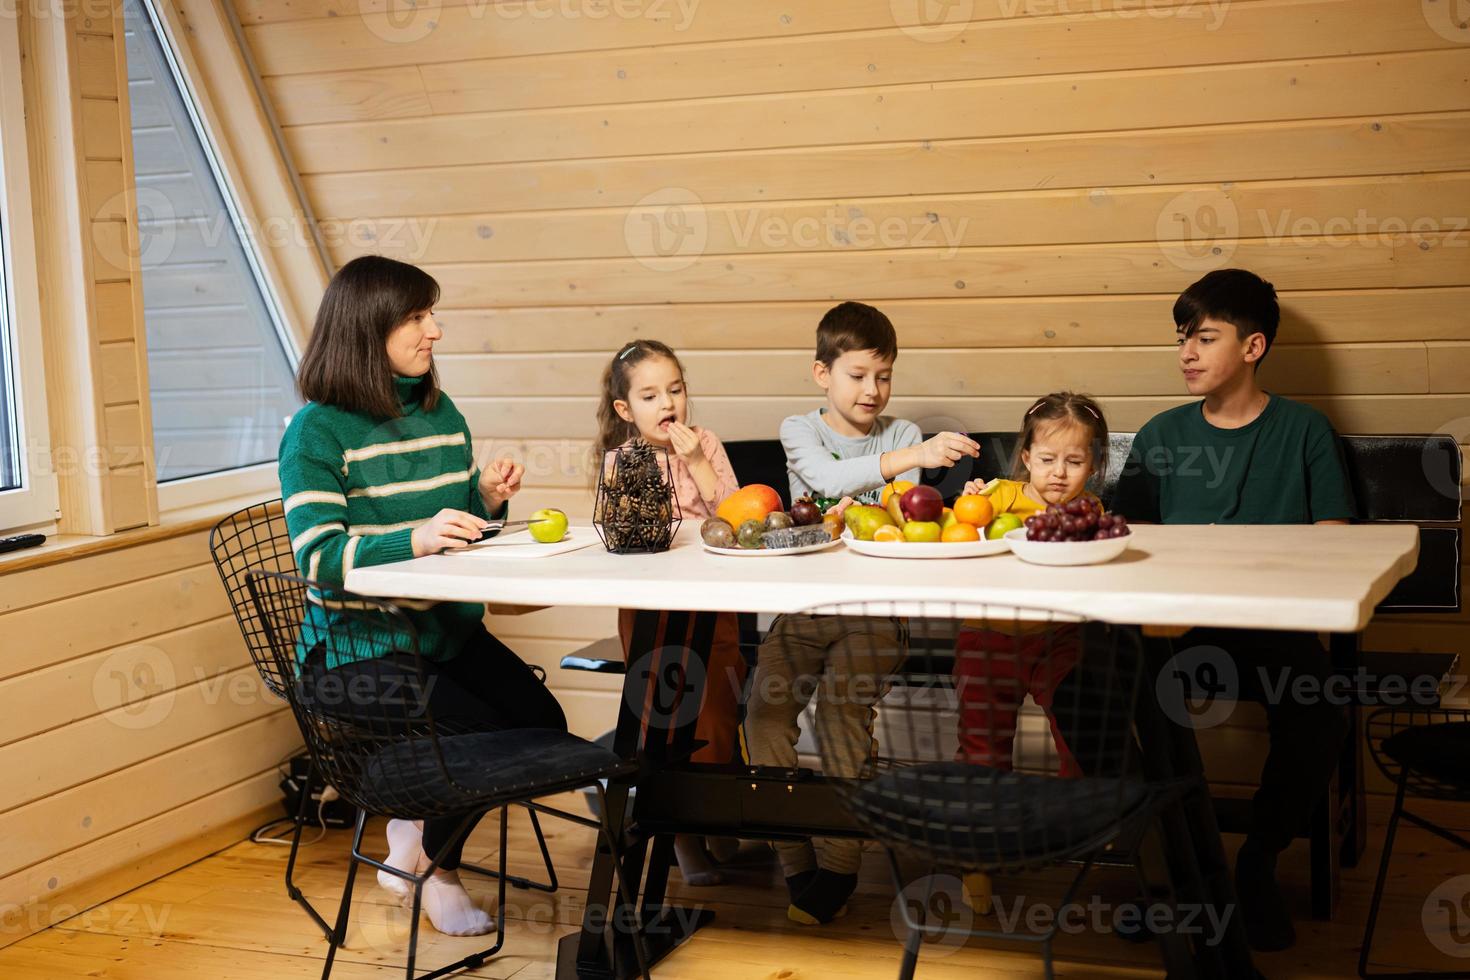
974, 509
888, 532
750, 503
960, 532
899, 487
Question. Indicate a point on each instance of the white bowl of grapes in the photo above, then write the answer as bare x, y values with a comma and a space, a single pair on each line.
1075, 533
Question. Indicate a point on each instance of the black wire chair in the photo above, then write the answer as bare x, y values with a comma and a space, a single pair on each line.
1426, 752
935, 779
255, 539
385, 753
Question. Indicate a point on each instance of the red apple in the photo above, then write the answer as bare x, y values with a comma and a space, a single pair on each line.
922, 504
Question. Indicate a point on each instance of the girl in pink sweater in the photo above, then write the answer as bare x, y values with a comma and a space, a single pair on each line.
644, 394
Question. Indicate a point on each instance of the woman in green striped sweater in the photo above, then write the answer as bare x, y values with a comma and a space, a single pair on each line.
377, 467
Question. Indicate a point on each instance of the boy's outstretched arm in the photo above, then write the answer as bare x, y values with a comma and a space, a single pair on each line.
944, 449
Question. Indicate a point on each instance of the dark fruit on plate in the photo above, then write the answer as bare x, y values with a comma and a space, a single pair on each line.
805, 512
750, 534
1079, 519
717, 533
921, 504
778, 520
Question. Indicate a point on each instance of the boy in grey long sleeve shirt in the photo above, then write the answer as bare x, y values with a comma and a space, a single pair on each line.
822, 462
846, 449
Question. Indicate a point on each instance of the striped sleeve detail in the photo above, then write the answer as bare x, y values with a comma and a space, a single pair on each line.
411, 486
317, 517
401, 446
377, 530
314, 497
311, 534
349, 552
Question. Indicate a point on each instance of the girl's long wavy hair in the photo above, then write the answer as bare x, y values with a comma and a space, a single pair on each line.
1063, 406
612, 430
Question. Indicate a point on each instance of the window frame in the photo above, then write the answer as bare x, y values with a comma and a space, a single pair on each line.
34, 505
252, 479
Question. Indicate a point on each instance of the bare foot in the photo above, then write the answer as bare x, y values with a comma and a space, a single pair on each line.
405, 849
450, 908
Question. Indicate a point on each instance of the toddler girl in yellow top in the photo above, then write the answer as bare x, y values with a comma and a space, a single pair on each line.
1063, 441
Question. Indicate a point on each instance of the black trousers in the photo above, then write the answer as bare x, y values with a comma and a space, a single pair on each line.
485, 688
1286, 672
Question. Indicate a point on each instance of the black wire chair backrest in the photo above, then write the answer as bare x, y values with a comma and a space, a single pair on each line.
359, 692
1429, 782
934, 750
250, 540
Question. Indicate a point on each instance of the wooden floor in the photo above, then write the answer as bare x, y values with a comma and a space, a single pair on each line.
227, 918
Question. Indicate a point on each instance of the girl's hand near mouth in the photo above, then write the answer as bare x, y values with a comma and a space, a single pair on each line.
686, 443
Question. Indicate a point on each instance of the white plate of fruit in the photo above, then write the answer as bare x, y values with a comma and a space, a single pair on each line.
1074, 533
912, 522
751, 524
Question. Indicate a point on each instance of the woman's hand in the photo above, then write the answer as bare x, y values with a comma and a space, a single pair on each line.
499, 481
447, 530
685, 442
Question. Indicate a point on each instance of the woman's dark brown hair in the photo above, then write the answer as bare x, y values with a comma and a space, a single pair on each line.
346, 360
1063, 406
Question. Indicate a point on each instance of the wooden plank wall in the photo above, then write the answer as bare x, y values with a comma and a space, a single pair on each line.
136, 736
1023, 186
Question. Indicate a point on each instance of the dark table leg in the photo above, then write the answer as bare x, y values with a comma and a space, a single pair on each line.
1193, 851
647, 728
1352, 797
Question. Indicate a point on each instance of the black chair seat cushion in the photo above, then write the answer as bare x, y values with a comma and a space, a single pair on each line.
985, 817
1441, 751
484, 770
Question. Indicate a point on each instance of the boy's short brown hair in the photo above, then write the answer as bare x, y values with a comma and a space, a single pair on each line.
855, 326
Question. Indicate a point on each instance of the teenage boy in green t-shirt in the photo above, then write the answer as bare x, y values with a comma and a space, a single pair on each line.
1246, 456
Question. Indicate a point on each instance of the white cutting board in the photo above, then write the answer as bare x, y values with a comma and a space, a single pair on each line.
520, 544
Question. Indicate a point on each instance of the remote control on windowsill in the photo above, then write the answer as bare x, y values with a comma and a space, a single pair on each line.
19, 541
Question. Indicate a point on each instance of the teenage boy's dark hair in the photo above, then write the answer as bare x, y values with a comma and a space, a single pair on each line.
855, 326
346, 360
1234, 296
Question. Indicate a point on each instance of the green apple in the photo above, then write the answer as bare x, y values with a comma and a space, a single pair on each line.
548, 526
921, 531
1001, 524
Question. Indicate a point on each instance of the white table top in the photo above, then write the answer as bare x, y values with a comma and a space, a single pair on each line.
1322, 578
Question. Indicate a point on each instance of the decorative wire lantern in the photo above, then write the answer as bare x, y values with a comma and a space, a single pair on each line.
637, 511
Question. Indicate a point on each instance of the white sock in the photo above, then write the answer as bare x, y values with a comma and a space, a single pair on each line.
405, 847
450, 908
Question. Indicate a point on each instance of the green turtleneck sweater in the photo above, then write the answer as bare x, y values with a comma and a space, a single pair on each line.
355, 488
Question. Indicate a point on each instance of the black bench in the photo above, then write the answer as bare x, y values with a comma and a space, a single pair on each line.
1396, 479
